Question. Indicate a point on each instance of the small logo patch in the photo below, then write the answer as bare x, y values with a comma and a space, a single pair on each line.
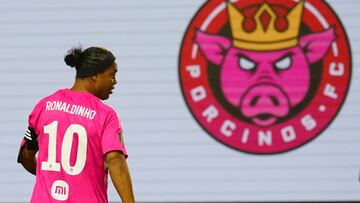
60, 190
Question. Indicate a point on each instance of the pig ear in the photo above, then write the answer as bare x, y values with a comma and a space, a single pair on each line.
212, 46
316, 45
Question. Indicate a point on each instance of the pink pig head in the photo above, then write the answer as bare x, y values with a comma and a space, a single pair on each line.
265, 85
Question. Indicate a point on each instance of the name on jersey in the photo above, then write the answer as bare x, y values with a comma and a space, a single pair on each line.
70, 108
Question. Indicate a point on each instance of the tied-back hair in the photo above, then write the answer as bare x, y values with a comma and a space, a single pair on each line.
90, 61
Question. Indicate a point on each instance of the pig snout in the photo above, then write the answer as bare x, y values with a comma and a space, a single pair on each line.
264, 104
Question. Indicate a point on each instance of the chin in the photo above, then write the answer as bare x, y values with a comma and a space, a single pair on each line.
104, 98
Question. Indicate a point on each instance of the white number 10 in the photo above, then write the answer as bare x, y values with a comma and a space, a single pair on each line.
51, 164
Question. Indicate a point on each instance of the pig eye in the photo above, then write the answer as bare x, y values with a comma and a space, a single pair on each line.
284, 63
246, 64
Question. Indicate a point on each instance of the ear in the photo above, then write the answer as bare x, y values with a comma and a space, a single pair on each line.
317, 45
93, 78
213, 47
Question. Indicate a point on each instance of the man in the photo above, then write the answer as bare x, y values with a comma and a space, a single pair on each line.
77, 137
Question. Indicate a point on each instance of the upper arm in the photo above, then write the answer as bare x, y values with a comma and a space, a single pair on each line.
28, 154
25, 154
111, 139
114, 157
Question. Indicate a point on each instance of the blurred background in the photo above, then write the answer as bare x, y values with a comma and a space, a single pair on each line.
171, 157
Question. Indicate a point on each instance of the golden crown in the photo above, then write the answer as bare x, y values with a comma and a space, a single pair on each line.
265, 36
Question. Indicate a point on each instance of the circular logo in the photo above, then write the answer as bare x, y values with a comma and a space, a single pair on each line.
265, 77
60, 190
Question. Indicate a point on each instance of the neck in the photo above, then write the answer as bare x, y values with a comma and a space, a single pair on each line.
82, 85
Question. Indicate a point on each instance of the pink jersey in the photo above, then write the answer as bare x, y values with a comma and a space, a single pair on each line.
75, 130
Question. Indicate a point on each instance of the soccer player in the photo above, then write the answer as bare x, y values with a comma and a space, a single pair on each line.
74, 138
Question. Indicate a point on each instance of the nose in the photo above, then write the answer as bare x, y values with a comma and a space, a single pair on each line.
265, 72
265, 99
254, 101
274, 100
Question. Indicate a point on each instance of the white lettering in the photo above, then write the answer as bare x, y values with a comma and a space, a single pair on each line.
58, 105
73, 109
198, 93
330, 91
53, 105
308, 122
210, 113
70, 108
336, 69
86, 113
92, 114
48, 106
245, 136
265, 138
227, 128
194, 70
81, 110
63, 107
288, 134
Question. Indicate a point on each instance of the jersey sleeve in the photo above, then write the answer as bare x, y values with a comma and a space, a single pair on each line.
33, 121
30, 137
111, 139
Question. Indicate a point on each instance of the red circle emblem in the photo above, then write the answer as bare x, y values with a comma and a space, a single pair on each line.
265, 77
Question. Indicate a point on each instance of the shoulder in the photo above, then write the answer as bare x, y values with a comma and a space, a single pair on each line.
42, 103
111, 111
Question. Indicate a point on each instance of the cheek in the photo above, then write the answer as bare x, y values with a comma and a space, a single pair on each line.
233, 80
107, 81
104, 84
296, 81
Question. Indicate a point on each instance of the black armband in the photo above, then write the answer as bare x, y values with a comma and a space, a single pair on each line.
31, 139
